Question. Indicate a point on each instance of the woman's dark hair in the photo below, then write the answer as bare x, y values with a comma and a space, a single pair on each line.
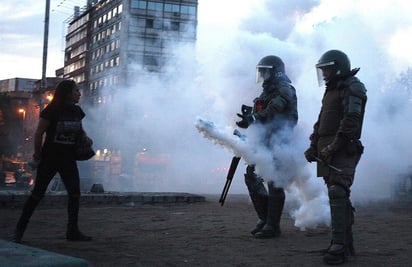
63, 92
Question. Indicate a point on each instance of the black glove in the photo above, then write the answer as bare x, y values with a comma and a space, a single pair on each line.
246, 110
246, 120
311, 153
326, 154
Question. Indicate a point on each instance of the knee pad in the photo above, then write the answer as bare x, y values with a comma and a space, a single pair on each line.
277, 192
250, 170
250, 175
336, 192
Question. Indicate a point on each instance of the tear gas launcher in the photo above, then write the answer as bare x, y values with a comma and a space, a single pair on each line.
229, 178
235, 160
231, 172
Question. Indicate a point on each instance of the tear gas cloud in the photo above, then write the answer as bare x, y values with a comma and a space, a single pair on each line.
213, 78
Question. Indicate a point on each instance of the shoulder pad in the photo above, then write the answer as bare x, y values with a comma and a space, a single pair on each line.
286, 90
356, 87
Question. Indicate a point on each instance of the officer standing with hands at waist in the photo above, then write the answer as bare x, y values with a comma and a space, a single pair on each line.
335, 142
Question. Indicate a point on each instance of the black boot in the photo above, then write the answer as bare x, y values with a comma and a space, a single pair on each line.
268, 231
258, 227
258, 195
73, 233
28, 209
338, 200
19, 231
350, 249
335, 254
276, 201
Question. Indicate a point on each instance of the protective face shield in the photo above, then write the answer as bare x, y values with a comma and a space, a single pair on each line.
263, 73
332, 64
324, 72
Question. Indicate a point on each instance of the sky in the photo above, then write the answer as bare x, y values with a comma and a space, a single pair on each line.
387, 23
21, 37
214, 78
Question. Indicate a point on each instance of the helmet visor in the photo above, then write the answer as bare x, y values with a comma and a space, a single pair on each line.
319, 73
320, 67
263, 73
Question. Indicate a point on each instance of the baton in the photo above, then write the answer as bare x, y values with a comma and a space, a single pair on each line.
327, 164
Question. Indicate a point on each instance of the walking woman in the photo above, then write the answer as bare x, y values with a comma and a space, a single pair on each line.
61, 122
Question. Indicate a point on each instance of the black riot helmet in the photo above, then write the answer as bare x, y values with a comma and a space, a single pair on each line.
268, 67
336, 62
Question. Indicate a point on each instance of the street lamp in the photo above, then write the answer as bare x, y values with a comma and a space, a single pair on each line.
23, 112
23, 149
49, 97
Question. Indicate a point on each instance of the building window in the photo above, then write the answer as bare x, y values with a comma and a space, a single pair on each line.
153, 42
150, 60
149, 23
172, 8
138, 4
140, 22
188, 10
157, 24
154, 6
188, 27
174, 26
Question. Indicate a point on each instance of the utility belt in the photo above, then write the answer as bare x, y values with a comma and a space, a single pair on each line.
350, 153
352, 146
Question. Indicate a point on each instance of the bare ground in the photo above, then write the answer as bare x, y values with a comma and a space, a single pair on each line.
206, 234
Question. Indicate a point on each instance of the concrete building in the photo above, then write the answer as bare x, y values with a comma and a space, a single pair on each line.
15, 114
20, 103
17, 85
76, 58
111, 43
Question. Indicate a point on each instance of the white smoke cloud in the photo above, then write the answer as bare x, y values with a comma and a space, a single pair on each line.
280, 162
214, 78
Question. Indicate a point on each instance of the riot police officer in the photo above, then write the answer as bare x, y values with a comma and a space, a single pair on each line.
335, 141
276, 109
